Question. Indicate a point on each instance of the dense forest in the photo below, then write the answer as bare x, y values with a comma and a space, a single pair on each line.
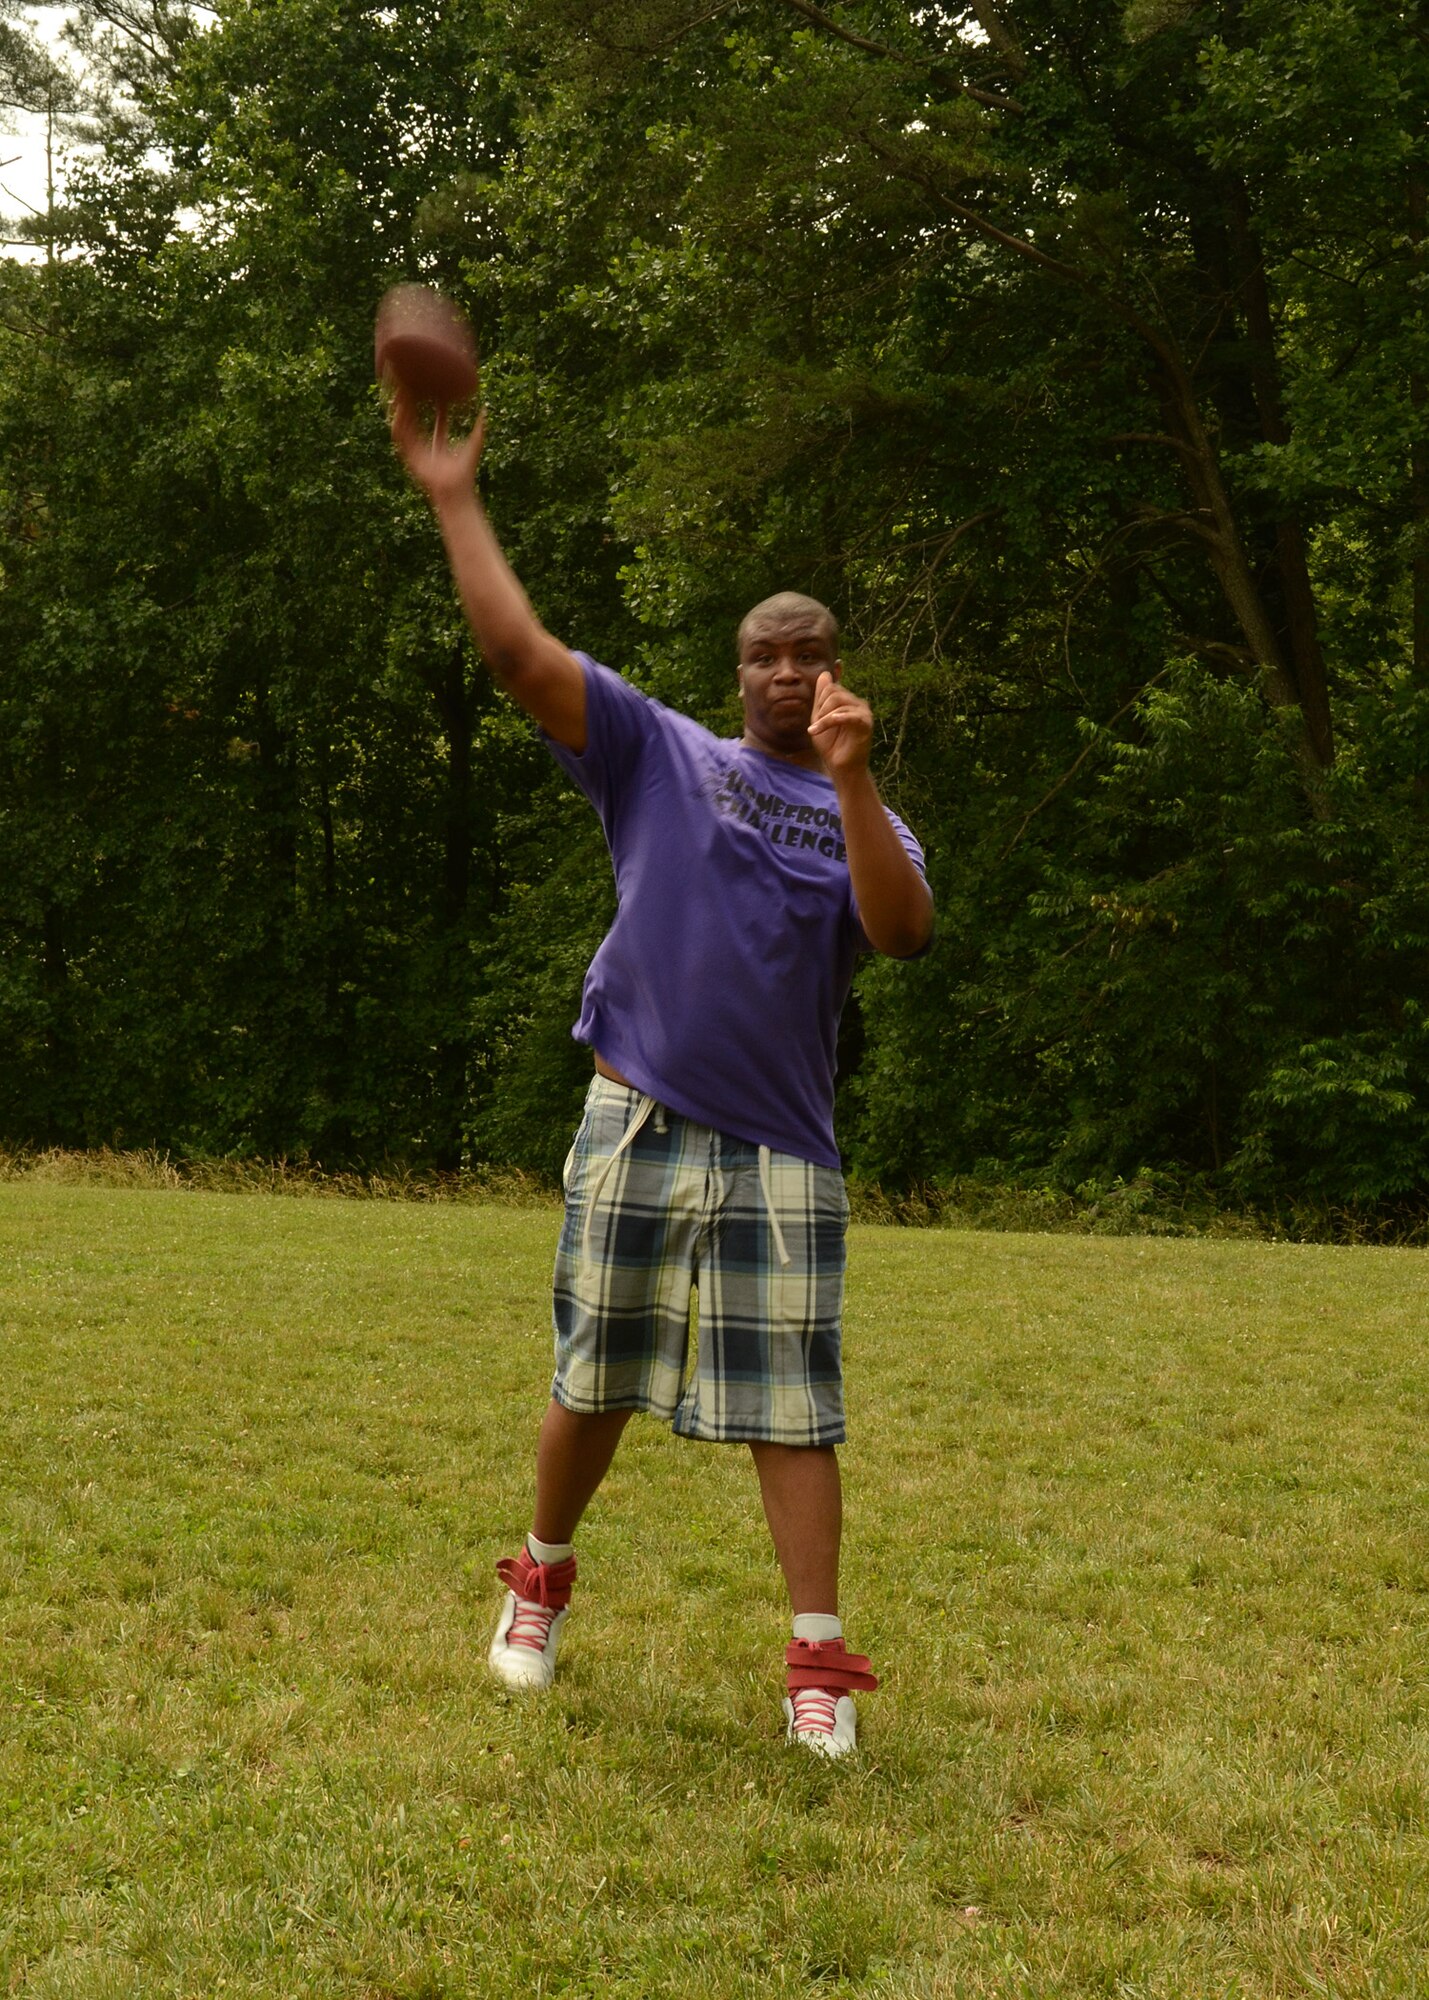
1075, 351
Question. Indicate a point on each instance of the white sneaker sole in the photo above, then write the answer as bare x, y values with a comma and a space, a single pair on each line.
520, 1666
845, 1735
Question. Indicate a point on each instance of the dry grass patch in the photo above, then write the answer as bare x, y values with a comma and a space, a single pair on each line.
148, 1167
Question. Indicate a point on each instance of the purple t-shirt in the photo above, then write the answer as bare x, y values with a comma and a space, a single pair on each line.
719, 985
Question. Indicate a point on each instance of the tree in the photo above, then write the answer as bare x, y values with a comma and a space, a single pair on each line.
1053, 346
1057, 346
219, 597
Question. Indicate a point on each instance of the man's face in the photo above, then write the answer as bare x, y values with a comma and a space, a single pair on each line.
780, 661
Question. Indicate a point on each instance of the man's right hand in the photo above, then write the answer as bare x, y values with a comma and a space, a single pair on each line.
445, 471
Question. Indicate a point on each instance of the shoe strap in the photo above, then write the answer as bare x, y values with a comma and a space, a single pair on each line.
823, 1663
546, 1584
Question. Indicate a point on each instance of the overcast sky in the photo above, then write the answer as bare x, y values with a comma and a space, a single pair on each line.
22, 143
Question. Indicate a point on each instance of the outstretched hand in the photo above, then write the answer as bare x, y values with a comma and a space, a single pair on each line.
444, 469
841, 727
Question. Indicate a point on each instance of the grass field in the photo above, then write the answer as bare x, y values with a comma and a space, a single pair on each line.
1137, 1538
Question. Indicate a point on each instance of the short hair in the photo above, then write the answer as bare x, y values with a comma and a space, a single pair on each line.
791, 604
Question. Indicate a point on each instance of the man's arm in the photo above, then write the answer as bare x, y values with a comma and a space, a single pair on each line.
894, 903
536, 670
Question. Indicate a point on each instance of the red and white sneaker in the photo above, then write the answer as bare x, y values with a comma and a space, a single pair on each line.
523, 1648
819, 1708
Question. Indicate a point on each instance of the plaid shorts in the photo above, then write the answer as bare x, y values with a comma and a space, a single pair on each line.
678, 1208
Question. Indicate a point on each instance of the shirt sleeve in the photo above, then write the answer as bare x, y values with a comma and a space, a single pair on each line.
916, 856
619, 723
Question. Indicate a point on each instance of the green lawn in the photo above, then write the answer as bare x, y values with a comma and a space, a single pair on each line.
1137, 1538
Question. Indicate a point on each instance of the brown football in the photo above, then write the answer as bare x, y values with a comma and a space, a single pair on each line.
424, 343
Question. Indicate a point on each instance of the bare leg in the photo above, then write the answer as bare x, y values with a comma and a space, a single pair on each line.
803, 1504
573, 1455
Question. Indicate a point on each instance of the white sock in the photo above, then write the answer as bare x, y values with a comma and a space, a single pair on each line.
817, 1626
549, 1552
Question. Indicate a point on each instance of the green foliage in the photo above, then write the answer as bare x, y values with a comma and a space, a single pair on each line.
983, 377
1067, 361
252, 773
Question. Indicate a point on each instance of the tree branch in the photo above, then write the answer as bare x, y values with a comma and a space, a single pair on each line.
1067, 776
830, 27
710, 14
1148, 515
992, 99
1149, 437
1000, 36
1212, 519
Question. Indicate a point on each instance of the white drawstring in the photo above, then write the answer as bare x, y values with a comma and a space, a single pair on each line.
643, 1109
766, 1182
644, 1106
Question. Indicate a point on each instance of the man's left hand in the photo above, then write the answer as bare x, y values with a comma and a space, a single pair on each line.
841, 727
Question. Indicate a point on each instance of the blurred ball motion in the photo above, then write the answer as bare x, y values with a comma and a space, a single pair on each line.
424, 344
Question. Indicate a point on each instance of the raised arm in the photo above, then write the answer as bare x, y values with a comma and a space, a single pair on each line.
536, 670
894, 904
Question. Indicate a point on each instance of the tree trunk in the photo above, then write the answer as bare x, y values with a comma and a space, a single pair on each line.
60, 1122
1225, 550
456, 705
1419, 454
277, 794
337, 1035
1216, 522
1306, 657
